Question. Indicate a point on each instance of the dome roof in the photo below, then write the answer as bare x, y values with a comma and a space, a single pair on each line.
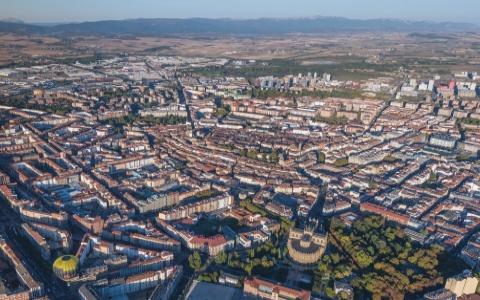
66, 263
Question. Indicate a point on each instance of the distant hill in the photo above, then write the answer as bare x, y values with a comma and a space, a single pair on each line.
15, 27
11, 20
197, 26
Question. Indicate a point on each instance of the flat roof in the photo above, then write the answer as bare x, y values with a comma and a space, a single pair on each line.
200, 290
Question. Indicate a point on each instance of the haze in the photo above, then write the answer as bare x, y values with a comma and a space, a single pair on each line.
92, 10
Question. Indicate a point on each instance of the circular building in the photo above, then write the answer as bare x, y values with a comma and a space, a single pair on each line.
66, 267
306, 246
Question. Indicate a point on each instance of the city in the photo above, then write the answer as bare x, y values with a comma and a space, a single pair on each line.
284, 164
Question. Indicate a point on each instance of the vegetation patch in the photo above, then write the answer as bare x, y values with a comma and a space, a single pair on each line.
382, 260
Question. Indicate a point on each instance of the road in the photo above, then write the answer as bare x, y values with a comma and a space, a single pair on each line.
384, 107
54, 288
183, 100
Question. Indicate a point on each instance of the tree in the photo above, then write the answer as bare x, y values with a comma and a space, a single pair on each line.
387, 263
195, 261
463, 157
251, 253
478, 287
221, 258
427, 262
266, 263
433, 177
274, 156
220, 112
341, 162
242, 152
342, 271
252, 154
390, 234
320, 157
248, 268
363, 259
344, 296
389, 158
209, 277
334, 120
335, 258
330, 292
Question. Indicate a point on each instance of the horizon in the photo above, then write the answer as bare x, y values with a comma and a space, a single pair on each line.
53, 23
233, 150
56, 12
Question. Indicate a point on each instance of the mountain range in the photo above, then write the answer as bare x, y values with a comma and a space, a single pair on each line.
200, 26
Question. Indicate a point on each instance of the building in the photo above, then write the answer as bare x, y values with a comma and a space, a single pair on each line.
471, 252
229, 279
462, 284
127, 285
38, 241
441, 294
443, 141
471, 256
306, 246
34, 287
366, 157
205, 290
204, 206
161, 112
161, 281
210, 245
390, 215
66, 267
267, 290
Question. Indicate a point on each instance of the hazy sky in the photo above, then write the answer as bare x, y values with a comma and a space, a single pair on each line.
88, 10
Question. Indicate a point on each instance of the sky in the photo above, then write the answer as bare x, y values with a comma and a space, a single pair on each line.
51, 11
